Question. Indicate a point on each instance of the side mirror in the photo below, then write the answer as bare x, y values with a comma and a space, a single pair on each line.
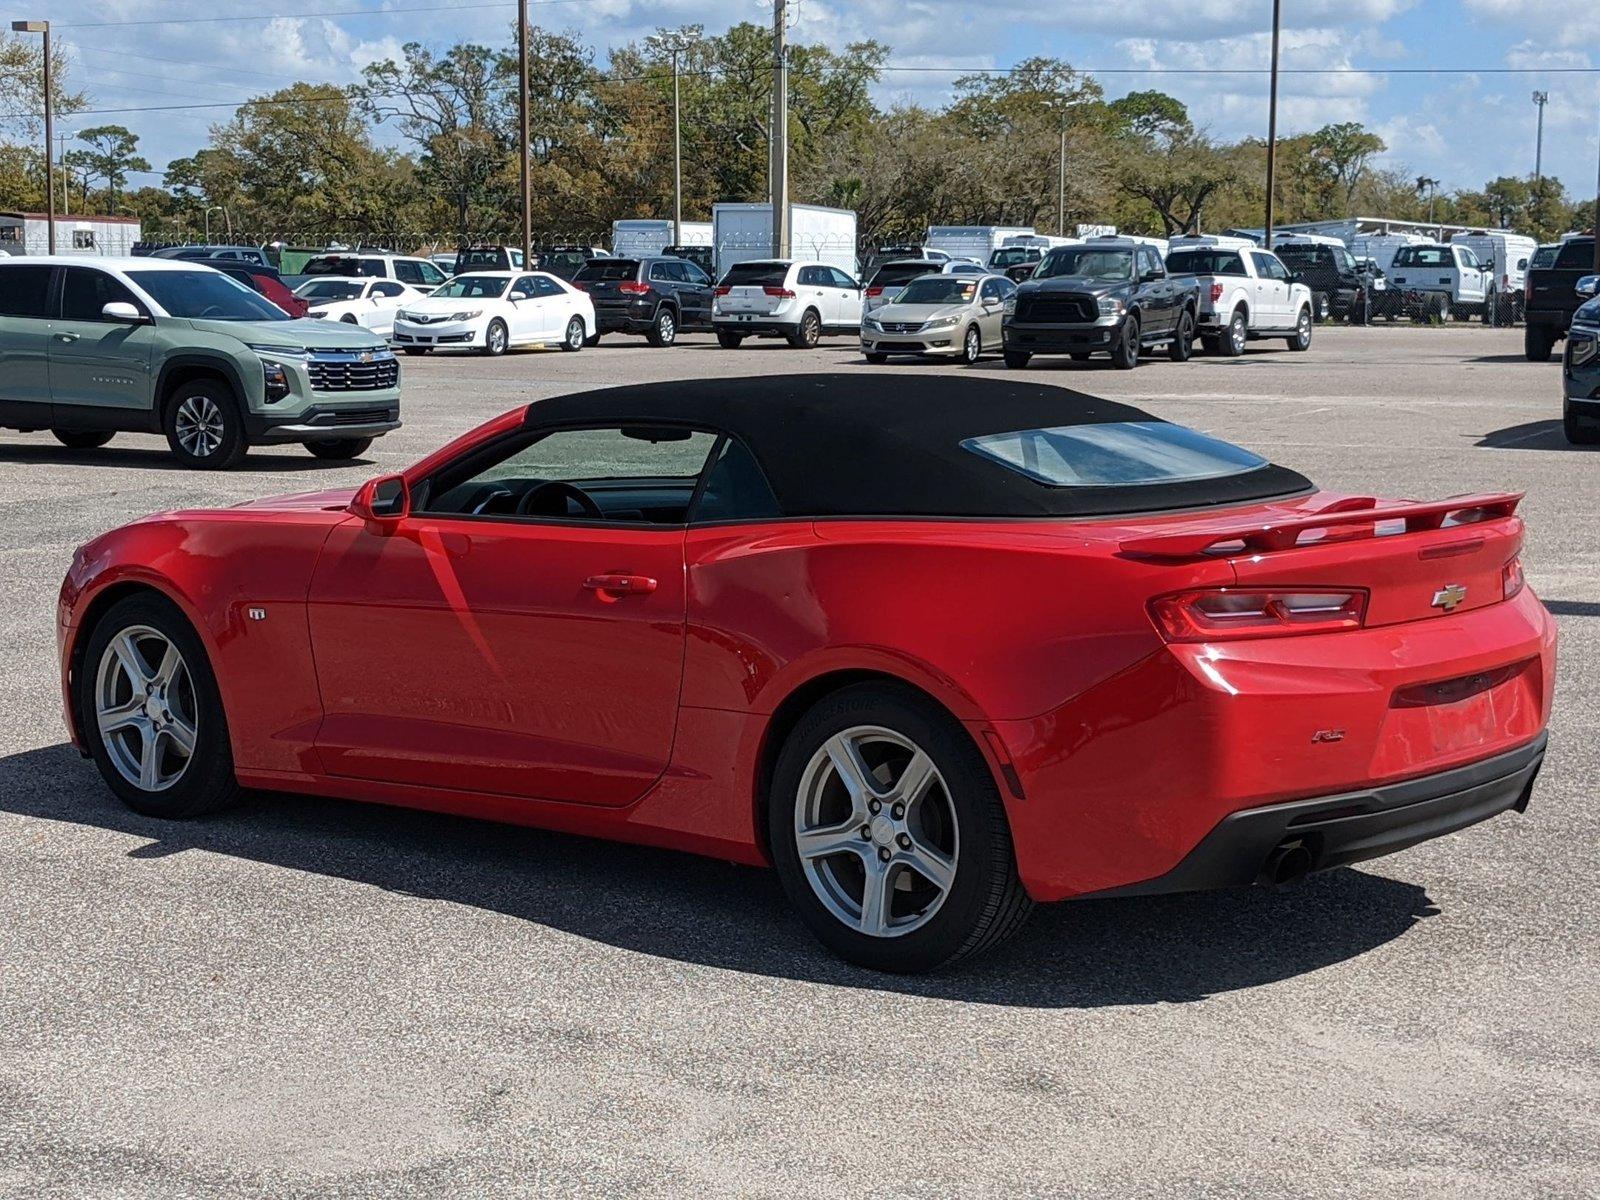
382, 502
1522, 264
123, 312
1588, 286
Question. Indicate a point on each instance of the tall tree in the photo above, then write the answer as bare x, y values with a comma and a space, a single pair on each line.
110, 154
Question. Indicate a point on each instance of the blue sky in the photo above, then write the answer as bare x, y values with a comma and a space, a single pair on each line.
1462, 128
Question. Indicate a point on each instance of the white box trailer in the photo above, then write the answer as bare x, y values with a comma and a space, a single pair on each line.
632, 239
743, 233
976, 242
25, 233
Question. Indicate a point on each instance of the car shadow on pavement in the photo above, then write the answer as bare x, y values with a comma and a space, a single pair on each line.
1077, 955
162, 460
1531, 435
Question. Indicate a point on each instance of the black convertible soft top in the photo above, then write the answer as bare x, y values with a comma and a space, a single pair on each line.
842, 445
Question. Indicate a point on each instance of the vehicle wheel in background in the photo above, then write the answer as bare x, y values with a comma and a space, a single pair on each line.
1017, 358
592, 341
150, 712
972, 346
1579, 432
665, 330
417, 351
203, 426
1182, 345
1360, 310
1235, 336
1301, 338
809, 332
889, 835
339, 448
728, 340
1125, 354
349, 319
1319, 306
1441, 309
1491, 309
495, 338
877, 359
1212, 345
1537, 343
575, 336
81, 439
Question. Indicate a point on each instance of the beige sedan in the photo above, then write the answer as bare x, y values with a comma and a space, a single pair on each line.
940, 315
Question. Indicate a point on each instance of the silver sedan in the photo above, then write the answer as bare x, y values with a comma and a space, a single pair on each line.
940, 315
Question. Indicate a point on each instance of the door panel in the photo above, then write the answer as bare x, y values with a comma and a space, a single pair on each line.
469, 654
97, 364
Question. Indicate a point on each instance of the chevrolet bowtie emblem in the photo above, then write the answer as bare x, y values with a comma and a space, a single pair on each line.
1449, 596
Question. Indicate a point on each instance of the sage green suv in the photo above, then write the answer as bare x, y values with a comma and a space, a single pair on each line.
93, 347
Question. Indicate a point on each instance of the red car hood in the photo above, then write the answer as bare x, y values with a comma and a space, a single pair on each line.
328, 500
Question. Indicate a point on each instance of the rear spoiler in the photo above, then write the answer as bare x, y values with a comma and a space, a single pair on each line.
1352, 510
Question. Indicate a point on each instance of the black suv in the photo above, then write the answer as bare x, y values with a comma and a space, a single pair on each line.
1551, 297
655, 297
1108, 296
564, 262
1340, 288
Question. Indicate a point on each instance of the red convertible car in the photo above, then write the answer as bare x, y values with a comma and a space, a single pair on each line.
935, 648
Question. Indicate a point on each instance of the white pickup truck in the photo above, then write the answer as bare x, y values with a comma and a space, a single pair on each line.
1245, 294
1436, 281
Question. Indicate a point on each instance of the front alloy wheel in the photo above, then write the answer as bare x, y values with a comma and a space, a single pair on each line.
972, 346
203, 426
495, 339
574, 339
1302, 331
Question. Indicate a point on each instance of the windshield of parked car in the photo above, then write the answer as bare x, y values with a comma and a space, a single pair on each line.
330, 289
756, 274
1205, 262
601, 270
472, 287
938, 289
1424, 256
1015, 256
206, 295
1093, 262
1115, 454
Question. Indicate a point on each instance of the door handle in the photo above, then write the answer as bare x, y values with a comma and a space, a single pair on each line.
621, 585
66, 337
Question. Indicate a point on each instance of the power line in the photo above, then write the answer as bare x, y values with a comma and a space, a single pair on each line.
290, 16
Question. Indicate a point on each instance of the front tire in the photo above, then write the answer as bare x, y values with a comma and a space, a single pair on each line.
340, 448
972, 346
1537, 343
1301, 338
1320, 306
496, 339
1125, 354
417, 351
575, 336
1017, 359
876, 360
1579, 432
1182, 346
889, 834
809, 332
204, 428
664, 332
151, 714
81, 439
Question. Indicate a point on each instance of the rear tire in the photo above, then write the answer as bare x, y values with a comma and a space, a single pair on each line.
335, 449
1234, 337
1125, 354
1537, 342
1491, 309
664, 331
81, 439
206, 782
204, 428
1579, 432
1320, 307
955, 824
1017, 359
1181, 348
729, 341
809, 332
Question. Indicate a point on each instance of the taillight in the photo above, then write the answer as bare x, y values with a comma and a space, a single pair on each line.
781, 292
722, 289
1511, 578
1216, 292
874, 291
630, 288
1527, 287
1226, 614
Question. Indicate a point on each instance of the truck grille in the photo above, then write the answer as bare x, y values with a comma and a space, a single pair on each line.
352, 371
1065, 309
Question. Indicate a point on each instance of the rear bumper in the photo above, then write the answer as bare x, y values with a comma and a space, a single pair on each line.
1546, 319
755, 326
632, 318
1352, 827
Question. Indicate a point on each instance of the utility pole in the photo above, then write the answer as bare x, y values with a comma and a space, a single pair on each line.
49, 128
523, 133
676, 42
1272, 123
66, 176
1061, 185
779, 172
1597, 210
1540, 99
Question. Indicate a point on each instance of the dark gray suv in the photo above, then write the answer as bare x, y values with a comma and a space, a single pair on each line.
655, 297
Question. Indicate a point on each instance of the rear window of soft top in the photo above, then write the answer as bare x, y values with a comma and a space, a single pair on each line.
1115, 454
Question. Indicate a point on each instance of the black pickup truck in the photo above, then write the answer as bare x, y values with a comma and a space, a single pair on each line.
1107, 296
1551, 297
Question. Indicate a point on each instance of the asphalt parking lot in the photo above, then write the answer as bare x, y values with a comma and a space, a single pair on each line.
306, 998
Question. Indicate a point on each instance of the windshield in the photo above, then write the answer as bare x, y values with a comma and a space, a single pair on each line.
330, 289
1205, 262
471, 287
1424, 256
206, 295
1115, 454
1015, 256
1094, 262
938, 289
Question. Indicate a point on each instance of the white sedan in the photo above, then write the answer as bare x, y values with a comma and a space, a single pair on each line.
490, 311
370, 303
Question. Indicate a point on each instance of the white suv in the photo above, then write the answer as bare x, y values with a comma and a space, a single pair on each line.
778, 298
419, 273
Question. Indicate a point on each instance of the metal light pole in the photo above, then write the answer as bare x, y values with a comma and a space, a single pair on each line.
524, 133
1597, 211
779, 172
1061, 185
676, 42
1272, 123
1540, 99
49, 127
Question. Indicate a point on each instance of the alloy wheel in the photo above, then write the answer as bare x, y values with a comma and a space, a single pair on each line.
199, 426
973, 346
1238, 334
876, 831
144, 707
